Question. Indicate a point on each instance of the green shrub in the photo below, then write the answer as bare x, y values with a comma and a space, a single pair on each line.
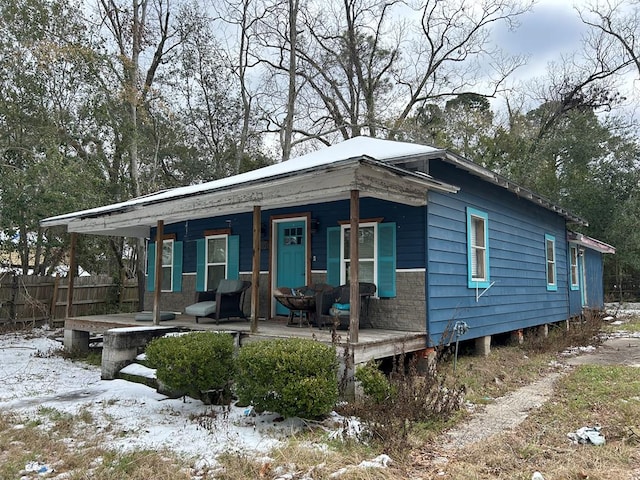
375, 384
193, 363
293, 377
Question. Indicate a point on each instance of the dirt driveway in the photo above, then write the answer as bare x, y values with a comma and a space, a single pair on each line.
614, 351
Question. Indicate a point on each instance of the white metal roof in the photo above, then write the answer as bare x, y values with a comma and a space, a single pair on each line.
590, 242
352, 148
322, 175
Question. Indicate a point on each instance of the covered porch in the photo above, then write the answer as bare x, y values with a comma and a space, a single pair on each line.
125, 338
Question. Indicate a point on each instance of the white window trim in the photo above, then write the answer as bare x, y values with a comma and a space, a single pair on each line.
573, 268
551, 286
484, 279
343, 261
206, 256
170, 265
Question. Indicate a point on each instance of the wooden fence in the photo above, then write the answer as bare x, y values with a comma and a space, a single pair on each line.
32, 298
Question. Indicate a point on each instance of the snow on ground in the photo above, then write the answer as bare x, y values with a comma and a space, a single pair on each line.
623, 310
131, 415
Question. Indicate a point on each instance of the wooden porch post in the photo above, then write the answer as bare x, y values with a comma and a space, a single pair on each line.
72, 270
255, 269
158, 269
354, 275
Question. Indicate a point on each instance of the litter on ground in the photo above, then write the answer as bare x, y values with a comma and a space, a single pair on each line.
587, 435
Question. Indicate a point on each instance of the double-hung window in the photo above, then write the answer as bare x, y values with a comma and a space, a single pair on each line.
170, 265
216, 268
217, 257
376, 255
167, 266
573, 258
367, 248
550, 254
477, 248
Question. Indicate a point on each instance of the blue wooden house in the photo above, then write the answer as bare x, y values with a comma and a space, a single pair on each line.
444, 240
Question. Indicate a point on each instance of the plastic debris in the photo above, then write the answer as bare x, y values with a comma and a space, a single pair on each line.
537, 476
587, 435
381, 461
39, 468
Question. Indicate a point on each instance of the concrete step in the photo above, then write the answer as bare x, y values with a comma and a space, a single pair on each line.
138, 373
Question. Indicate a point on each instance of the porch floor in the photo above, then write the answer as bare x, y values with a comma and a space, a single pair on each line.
372, 343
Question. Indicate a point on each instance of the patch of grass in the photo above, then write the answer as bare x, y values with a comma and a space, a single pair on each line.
53, 414
21, 443
138, 465
631, 324
93, 357
505, 369
304, 459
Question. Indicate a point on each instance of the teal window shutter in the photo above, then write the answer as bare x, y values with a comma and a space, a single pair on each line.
177, 266
387, 260
151, 266
333, 256
200, 264
233, 257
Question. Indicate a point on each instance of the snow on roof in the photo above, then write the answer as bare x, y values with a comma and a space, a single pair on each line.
356, 147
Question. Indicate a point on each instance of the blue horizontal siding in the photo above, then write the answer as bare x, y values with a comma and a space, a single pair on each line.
594, 274
516, 228
410, 239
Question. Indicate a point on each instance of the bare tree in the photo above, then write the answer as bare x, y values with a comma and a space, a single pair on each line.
366, 66
619, 20
145, 35
239, 25
453, 54
344, 60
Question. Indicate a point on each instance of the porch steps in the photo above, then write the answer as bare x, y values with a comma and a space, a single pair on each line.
139, 372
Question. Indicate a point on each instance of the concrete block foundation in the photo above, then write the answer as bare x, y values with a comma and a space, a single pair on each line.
483, 346
76, 341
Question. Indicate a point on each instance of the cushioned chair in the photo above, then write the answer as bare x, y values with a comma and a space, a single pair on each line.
334, 307
223, 302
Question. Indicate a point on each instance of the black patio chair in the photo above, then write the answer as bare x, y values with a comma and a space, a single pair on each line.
334, 307
224, 302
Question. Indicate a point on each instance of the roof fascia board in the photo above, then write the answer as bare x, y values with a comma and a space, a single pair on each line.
590, 242
334, 182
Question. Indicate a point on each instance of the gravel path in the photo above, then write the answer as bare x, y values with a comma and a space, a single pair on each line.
505, 413
509, 411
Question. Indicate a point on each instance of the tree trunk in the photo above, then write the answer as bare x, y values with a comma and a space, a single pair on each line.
287, 131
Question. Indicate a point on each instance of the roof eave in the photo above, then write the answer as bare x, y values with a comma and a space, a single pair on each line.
590, 242
513, 187
315, 185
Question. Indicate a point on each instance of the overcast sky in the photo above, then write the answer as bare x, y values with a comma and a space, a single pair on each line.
551, 29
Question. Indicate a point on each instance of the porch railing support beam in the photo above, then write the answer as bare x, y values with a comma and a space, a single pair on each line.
73, 266
354, 270
158, 269
255, 270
